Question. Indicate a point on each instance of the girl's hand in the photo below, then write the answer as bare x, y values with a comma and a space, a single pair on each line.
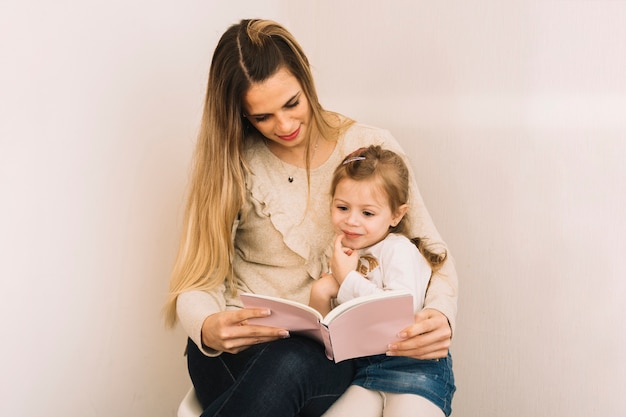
343, 260
428, 338
228, 331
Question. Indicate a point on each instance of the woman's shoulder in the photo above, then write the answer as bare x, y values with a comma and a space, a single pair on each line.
361, 135
362, 129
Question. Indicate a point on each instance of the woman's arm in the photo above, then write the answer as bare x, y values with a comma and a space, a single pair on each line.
431, 335
192, 309
442, 291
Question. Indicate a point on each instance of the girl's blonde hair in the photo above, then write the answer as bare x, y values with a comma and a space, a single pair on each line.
249, 52
389, 173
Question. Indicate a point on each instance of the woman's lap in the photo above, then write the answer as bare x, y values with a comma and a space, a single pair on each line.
293, 377
282, 378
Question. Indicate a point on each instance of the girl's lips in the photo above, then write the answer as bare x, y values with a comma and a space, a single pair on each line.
292, 135
351, 235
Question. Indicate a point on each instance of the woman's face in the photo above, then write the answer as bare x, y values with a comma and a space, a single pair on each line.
279, 109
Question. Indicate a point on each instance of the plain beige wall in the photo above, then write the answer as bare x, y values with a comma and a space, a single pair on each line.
513, 114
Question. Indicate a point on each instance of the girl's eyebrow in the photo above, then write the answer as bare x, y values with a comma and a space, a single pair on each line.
295, 96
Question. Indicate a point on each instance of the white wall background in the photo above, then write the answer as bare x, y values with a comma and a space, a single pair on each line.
514, 114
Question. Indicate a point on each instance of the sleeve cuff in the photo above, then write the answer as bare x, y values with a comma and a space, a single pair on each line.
193, 307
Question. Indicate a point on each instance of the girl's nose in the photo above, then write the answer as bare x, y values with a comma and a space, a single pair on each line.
352, 219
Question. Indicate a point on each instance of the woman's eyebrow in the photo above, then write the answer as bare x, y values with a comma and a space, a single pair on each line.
295, 96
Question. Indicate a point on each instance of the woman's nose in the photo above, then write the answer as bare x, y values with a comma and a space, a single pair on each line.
283, 124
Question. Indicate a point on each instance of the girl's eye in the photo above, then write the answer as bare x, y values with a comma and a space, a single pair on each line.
342, 208
368, 214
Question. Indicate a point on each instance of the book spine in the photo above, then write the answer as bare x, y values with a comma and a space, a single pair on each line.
327, 343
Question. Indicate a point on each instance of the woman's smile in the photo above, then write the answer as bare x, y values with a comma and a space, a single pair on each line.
290, 136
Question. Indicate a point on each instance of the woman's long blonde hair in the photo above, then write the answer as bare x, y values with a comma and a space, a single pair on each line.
248, 52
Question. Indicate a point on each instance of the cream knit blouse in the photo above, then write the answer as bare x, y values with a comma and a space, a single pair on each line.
283, 234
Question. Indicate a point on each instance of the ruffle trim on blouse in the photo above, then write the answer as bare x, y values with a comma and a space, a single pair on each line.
281, 208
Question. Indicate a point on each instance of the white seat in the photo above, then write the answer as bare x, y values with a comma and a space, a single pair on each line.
190, 406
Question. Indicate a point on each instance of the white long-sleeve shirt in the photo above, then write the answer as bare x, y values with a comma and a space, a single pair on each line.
391, 264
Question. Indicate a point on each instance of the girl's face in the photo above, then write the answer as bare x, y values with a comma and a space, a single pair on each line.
279, 109
361, 212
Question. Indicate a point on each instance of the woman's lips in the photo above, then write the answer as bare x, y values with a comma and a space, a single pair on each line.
291, 136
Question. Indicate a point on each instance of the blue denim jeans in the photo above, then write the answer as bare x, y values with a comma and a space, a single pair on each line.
286, 378
431, 379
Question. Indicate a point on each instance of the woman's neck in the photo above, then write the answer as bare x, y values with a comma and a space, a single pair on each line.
320, 152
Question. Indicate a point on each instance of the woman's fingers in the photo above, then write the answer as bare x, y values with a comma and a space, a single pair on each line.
428, 338
229, 331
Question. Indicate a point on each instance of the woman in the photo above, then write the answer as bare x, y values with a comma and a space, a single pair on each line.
257, 220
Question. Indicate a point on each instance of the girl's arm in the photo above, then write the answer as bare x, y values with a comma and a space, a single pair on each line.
322, 292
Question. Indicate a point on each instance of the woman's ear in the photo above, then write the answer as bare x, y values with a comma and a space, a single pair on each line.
399, 214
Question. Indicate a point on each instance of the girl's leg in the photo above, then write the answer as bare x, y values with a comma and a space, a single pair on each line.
287, 377
405, 405
357, 401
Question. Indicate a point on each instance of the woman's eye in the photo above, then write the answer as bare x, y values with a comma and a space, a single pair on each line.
260, 119
292, 105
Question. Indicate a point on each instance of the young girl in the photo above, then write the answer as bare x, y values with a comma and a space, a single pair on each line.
372, 254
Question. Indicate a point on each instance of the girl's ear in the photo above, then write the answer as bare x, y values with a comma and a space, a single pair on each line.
399, 214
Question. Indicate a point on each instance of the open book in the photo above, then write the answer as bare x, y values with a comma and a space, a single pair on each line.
363, 326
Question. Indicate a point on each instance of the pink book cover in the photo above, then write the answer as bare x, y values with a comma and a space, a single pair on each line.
360, 327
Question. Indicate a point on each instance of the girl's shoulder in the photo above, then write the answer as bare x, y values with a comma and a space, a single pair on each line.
396, 240
399, 248
391, 243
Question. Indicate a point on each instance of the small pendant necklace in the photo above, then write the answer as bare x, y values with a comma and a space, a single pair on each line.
290, 176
